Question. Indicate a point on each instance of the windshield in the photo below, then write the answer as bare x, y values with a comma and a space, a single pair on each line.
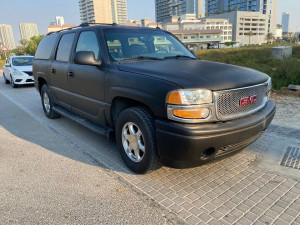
124, 44
22, 61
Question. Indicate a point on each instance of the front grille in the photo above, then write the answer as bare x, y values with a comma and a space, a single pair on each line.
228, 102
29, 73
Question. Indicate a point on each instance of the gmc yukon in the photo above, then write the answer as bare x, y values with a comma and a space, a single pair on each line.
144, 88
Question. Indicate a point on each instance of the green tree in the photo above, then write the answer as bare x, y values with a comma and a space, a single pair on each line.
292, 38
230, 43
250, 34
32, 44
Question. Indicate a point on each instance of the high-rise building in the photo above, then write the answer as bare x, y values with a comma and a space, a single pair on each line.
166, 9
95, 11
59, 20
28, 30
103, 11
119, 11
285, 22
7, 36
266, 7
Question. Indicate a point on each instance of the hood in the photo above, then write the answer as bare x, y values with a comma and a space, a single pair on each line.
198, 73
23, 68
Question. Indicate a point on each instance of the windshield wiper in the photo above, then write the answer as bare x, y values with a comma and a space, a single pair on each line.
141, 58
179, 56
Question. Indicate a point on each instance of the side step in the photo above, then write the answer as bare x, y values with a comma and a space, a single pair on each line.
84, 122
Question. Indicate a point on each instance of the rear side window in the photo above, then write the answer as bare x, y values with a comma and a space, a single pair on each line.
45, 47
88, 42
64, 47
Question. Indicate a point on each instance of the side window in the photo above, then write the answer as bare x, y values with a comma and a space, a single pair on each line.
45, 47
64, 47
88, 42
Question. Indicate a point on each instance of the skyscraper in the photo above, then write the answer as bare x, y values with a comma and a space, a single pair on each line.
266, 7
103, 11
167, 8
59, 20
285, 22
95, 11
119, 11
28, 30
7, 36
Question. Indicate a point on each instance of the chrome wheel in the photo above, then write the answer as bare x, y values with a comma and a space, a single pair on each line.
133, 142
46, 102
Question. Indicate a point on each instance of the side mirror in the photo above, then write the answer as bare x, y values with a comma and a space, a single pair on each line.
7, 65
86, 58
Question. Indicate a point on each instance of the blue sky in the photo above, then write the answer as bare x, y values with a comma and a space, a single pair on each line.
43, 12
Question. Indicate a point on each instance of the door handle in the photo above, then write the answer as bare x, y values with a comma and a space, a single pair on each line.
71, 74
53, 71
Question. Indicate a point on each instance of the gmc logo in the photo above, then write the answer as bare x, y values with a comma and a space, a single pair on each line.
248, 100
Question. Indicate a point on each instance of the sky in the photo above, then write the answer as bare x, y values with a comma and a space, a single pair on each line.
42, 12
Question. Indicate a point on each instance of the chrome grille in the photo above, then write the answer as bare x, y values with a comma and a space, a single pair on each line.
228, 102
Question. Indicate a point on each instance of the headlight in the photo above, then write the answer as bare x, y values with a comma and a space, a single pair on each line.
190, 105
189, 97
17, 73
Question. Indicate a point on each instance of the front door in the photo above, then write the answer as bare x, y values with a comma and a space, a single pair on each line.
59, 71
87, 82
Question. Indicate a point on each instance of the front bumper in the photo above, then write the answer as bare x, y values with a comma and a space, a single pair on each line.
20, 80
186, 145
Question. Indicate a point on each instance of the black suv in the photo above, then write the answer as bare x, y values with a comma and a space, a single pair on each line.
144, 88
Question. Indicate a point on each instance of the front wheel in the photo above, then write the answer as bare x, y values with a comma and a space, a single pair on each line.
5, 80
12, 82
136, 140
47, 103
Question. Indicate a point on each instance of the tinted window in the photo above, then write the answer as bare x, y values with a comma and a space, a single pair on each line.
88, 42
64, 47
45, 47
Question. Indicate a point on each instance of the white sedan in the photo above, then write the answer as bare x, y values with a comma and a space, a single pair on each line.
18, 70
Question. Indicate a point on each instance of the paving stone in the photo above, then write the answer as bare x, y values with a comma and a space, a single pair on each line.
265, 219
184, 214
291, 212
280, 222
205, 217
217, 215
196, 211
175, 208
244, 221
192, 220
167, 203
251, 216
286, 218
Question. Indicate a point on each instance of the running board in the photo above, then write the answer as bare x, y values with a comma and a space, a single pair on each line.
84, 122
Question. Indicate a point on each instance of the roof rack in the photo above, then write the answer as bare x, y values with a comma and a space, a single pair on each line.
82, 25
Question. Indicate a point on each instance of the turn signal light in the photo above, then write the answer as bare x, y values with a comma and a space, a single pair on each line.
175, 98
201, 113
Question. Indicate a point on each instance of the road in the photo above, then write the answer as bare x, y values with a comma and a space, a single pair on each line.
57, 172
50, 172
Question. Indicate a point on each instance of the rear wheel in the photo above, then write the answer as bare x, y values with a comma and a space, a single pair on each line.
136, 140
5, 80
47, 103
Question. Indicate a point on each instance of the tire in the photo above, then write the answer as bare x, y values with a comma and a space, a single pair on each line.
5, 80
47, 103
141, 155
12, 82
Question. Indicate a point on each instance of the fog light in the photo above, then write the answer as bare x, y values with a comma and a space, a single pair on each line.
200, 113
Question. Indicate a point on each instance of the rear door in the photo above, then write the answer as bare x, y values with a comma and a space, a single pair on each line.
59, 70
87, 82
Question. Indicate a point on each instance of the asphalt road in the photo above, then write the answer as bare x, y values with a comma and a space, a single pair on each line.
50, 171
